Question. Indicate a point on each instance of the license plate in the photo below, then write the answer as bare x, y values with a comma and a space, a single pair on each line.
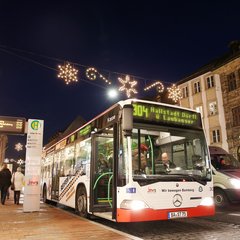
180, 214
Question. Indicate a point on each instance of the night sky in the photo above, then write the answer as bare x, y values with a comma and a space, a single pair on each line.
149, 41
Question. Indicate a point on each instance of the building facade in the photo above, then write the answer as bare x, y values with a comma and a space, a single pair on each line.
214, 90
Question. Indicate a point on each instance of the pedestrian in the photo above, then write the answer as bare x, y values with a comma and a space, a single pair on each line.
141, 167
18, 180
8, 193
102, 163
5, 182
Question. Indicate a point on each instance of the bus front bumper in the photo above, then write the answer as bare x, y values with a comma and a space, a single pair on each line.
148, 214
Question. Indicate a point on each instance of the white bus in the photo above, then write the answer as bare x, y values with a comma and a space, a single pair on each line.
111, 167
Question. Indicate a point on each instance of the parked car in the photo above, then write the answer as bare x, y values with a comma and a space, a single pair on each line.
226, 177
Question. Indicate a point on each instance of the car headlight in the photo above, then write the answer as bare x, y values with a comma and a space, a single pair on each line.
235, 182
133, 204
207, 201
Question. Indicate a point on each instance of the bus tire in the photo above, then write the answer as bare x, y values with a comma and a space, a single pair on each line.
220, 198
81, 202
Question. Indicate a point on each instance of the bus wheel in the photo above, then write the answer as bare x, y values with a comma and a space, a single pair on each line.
220, 198
81, 202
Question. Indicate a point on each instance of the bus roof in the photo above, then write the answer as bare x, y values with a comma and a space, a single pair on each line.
121, 104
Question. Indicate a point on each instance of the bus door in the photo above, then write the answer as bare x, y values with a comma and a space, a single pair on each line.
57, 172
102, 172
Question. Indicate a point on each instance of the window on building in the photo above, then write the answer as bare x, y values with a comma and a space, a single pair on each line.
200, 110
216, 136
210, 82
236, 116
185, 92
197, 87
232, 83
213, 108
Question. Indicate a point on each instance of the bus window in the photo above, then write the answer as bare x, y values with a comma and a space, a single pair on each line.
185, 151
104, 153
69, 161
83, 155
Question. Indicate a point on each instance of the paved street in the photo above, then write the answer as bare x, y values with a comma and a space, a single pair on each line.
225, 225
51, 223
61, 223
185, 229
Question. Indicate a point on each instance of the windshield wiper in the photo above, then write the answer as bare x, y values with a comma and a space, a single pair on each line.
192, 177
145, 180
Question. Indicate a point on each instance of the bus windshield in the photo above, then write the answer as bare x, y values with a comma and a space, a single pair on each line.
169, 153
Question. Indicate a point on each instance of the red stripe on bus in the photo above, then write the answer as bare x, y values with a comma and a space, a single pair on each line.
147, 214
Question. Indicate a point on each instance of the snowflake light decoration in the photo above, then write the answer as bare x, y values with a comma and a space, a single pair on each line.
18, 147
174, 93
128, 86
159, 87
68, 73
92, 73
20, 161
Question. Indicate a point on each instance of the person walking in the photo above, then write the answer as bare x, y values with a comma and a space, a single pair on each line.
5, 182
18, 180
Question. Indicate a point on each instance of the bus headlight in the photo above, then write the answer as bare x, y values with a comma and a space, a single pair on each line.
133, 204
235, 182
207, 201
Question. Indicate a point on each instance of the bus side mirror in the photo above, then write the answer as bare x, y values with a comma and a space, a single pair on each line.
127, 120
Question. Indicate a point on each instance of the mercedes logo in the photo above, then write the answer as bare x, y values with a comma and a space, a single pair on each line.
177, 200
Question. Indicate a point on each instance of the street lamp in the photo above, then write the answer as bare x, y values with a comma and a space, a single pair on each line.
112, 93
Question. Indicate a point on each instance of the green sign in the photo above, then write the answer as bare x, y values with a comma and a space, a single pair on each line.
35, 125
72, 138
84, 131
166, 114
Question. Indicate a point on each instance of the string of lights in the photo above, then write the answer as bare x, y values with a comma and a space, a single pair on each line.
128, 86
92, 73
69, 73
27, 59
174, 93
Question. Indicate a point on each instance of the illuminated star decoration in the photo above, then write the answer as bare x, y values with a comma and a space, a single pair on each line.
20, 161
92, 73
174, 93
128, 86
18, 147
68, 73
159, 87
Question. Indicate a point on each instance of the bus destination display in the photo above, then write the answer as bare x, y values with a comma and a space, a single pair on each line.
165, 114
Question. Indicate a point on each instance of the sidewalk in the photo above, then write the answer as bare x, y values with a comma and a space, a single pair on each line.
51, 223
